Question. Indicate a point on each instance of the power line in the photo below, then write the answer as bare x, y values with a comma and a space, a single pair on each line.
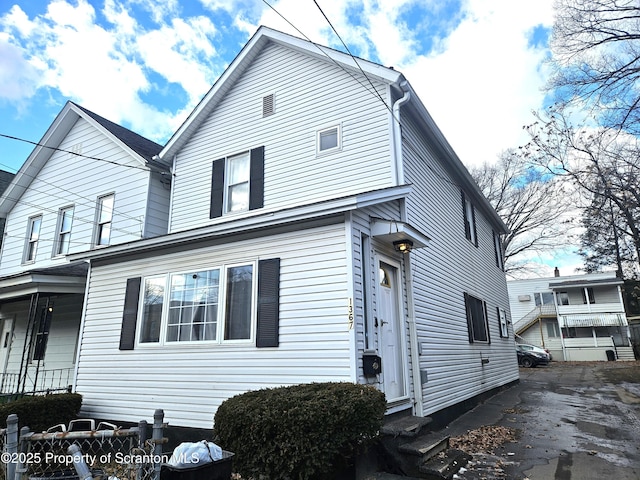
374, 93
38, 144
353, 58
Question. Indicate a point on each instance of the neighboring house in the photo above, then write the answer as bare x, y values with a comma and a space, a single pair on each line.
578, 317
311, 238
5, 180
89, 184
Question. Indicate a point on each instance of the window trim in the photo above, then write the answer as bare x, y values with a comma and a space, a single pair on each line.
221, 313
468, 298
59, 232
99, 224
29, 240
338, 147
226, 197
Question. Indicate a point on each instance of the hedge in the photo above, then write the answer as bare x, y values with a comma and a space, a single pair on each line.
301, 432
42, 411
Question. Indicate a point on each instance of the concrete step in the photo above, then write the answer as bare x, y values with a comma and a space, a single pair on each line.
407, 426
444, 467
426, 446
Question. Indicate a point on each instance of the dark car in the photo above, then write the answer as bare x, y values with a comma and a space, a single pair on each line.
528, 358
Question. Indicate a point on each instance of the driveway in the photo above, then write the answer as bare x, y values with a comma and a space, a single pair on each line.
570, 421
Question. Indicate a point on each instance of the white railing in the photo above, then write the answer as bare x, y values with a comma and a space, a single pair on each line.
593, 320
610, 308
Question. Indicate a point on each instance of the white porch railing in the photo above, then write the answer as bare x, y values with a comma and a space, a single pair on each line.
608, 308
593, 320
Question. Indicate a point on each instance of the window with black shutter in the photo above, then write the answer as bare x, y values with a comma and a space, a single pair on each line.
237, 183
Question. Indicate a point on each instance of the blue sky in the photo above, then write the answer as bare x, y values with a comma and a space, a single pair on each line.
477, 65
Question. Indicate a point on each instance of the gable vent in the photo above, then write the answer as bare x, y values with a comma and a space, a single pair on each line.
268, 104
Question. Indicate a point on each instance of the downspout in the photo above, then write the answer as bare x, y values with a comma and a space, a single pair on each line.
399, 180
398, 170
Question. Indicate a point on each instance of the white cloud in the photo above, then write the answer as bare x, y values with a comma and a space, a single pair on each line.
483, 83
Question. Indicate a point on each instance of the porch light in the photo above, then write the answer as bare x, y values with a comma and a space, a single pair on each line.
403, 246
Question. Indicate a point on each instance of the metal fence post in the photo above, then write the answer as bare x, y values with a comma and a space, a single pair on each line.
21, 468
157, 437
11, 444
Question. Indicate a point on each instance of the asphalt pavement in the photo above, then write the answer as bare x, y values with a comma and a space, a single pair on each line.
573, 421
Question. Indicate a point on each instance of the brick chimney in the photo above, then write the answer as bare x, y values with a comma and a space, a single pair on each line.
556, 272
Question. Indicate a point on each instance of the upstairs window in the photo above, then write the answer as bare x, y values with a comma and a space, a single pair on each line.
105, 218
469, 216
33, 236
562, 298
328, 140
237, 183
63, 237
476, 319
497, 247
588, 296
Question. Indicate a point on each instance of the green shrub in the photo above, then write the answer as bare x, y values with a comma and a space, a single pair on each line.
301, 432
42, 411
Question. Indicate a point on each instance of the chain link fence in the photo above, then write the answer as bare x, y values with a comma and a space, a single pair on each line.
110, 454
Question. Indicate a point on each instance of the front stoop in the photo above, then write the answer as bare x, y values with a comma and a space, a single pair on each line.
414, 452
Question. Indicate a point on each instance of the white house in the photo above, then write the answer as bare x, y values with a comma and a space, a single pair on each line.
576, 317
89, 183
321, 229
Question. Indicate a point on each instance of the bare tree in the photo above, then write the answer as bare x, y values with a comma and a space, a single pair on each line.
605, 166
596, 59
533, 203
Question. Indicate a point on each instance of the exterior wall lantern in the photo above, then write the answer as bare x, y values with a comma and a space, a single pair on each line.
403, 246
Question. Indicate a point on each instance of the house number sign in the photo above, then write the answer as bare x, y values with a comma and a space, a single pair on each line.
350, 313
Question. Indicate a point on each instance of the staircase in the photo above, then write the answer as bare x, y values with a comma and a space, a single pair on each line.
413, 452
625, 354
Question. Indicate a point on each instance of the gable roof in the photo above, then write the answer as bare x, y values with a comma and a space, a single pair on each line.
144, 147
390, 76
143, 150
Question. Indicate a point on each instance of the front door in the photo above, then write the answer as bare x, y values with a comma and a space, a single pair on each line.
391, 335
6, 332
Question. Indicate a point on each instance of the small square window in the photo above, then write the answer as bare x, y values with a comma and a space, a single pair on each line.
328, 139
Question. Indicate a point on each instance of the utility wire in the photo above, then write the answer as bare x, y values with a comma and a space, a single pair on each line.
321, 49
38, 144
354, 59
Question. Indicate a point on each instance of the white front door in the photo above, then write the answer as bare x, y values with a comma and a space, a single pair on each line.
6, 332
391, 335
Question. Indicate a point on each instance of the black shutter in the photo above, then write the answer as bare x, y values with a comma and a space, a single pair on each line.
256, 179
130, 315
467, 227
217, 188
475, 230
268, 303
486, 322
467, 308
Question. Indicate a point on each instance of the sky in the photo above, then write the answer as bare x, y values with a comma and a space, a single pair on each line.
477, 65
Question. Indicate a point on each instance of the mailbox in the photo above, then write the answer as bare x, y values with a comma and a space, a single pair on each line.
371, 364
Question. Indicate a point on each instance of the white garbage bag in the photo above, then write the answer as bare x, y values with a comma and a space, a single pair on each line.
189, 455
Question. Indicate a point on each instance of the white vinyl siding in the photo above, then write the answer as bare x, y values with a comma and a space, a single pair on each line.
68, 179
314, 333
312, 94
448, 267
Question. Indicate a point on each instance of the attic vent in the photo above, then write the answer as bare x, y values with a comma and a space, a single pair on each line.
268, 103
